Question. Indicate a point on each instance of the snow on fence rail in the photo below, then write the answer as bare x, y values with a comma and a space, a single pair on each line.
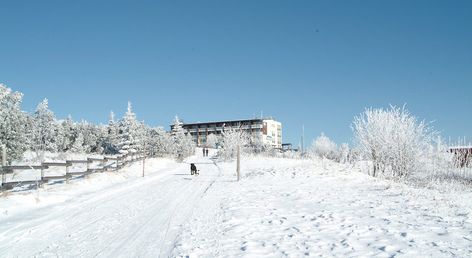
93, 165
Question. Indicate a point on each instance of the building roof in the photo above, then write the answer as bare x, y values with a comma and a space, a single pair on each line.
461, 147
228, 121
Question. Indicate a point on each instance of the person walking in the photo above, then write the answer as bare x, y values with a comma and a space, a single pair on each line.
203, 149
206, 152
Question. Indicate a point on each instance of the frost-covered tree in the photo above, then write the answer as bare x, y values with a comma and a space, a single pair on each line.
29, 132
102, 133
90, 134
212, 140
67, 134
142, 138
12, 123
111, 141
257, 145
323, 147
160, 142
45, 129
344, 153
78, 145
183, 145
127, 132
231, 139
393, 140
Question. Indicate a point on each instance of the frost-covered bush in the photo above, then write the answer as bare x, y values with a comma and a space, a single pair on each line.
231, 139
392, 139
323, 147
257, 146
212, 141
344, 154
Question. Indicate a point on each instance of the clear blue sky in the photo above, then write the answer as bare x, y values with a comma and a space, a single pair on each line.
317, 63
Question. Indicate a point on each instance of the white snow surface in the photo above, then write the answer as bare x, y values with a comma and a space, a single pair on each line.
279, 208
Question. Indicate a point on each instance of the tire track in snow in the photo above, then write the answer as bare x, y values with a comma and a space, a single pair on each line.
172, 243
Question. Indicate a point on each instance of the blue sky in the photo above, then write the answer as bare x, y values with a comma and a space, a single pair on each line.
317, 63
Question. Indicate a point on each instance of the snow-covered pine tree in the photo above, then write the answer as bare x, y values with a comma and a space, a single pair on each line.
178, 134
146, 140
12, 123
29, 132
93, 135
68, 134
78, 146
111, 144
162, 143
44, 130
127, 132
183, 145
156, 141
188, 145
59, 139
102, 133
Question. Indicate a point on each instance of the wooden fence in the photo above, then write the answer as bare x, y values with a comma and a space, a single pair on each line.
100, 165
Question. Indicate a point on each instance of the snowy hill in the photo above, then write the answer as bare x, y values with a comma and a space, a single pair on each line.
280, 208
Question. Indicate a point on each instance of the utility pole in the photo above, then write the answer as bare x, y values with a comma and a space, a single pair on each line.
238, 163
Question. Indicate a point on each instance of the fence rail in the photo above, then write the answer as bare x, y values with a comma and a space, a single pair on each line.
102, 165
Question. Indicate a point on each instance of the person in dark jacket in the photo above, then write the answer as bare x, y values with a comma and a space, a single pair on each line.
206, 152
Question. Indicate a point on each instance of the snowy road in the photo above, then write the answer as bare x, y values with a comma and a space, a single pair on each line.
136, 218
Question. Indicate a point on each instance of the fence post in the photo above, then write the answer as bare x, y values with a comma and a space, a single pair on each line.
4, 163
67, 172
42, 175
104, 164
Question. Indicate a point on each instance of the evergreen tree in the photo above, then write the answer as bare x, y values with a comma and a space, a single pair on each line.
183, 145
161, 143
128, 132
110, 144
45, 129
12, 123
68, 134
78, 146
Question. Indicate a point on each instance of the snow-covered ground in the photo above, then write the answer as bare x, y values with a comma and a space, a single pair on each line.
280, 208
292, 208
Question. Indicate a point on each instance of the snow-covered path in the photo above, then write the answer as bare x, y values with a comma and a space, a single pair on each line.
136, 218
